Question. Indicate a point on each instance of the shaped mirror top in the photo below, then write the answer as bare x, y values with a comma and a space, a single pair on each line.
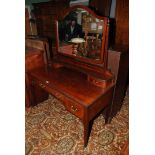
80, 34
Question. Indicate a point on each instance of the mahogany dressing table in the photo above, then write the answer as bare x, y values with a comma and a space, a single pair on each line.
78, 75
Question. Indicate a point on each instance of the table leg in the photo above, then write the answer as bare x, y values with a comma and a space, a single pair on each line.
106, 115
87, 130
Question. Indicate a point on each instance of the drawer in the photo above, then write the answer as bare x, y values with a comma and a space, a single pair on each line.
37, 82
37, 93
75, 108
99, 82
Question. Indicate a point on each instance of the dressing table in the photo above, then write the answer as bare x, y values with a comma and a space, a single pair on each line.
78, 74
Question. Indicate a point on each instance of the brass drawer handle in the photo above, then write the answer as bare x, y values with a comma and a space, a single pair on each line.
46, 81
59, 96
73, 108
41, 85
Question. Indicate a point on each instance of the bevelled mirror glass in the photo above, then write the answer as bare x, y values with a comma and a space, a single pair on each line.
81, 34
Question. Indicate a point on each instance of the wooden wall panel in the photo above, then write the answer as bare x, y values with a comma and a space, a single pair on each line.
101, 6
46, 14
118, 63
122, 24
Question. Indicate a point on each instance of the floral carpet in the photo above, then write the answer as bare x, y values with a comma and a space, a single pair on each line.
51, 130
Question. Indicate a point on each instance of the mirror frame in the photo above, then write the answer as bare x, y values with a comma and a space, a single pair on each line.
104, 50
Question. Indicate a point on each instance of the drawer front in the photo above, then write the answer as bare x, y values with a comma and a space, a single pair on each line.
76, 109
73, 107
99, 82
37, 93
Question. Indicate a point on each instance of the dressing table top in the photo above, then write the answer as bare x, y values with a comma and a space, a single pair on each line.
71, 83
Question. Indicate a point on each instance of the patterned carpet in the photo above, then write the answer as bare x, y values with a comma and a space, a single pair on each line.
51, 130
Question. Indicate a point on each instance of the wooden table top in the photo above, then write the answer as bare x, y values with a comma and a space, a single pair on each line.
70, 83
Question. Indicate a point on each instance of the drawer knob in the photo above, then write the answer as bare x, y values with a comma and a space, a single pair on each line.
73, 108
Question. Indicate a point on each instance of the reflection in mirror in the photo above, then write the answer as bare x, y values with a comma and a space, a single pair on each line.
80, 34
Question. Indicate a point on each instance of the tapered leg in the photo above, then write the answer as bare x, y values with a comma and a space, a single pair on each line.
106, 115
86, 133
87, 130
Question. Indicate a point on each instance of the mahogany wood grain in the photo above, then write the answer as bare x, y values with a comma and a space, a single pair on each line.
102, 7
79, 96
99, 82
67, 80
33, 59
73, 84
28, 96
38, 94
122, 24
46, 13
40, 44
118, 63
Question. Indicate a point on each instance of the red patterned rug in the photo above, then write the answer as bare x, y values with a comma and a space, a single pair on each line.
51, 130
